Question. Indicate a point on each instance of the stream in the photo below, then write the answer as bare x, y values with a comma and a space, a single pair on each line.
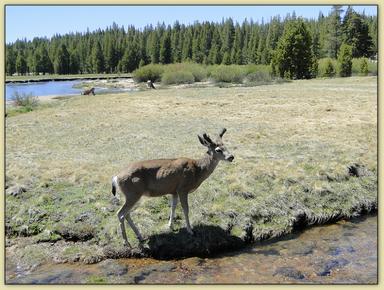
340, 253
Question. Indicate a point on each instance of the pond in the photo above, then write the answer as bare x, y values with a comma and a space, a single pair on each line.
340, 253
48, 88
57, 88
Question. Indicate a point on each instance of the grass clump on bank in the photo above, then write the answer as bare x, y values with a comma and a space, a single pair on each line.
22, 103
285, 174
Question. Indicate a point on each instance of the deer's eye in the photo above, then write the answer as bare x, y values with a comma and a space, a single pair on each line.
218, 149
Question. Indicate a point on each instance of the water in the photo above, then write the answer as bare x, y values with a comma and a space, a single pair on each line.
49, 88
342, 253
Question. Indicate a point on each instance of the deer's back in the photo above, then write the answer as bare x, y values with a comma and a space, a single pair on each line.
158, 177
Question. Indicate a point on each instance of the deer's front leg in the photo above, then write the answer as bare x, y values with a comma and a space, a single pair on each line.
184, 204
173, 207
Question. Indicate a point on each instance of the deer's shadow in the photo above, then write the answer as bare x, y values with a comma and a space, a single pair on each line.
207, 240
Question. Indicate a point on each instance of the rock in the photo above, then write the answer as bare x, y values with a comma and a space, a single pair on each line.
330, 265
270, 252
76, 232
303, 250
144, 273
16, 191
245, 195
113, 268
289, 272
335, 251
192, 263
83, 217
358, 170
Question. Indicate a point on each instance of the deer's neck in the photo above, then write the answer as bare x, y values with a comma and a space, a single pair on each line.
206, 165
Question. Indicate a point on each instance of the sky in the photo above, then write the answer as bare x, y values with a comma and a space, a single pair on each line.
24, 21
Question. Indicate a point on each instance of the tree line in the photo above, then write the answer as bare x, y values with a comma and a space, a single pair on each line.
116, 49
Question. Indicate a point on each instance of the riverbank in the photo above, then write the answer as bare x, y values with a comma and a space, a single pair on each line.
305, 153
45, 78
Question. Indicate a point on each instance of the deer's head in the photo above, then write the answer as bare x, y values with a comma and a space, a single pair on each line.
216, 147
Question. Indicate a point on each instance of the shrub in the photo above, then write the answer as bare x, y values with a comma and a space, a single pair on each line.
252, 68
344, 60
364, 67
177, 77
151, 72
198, 71
27, 101
259, 77
228, 74
360, 66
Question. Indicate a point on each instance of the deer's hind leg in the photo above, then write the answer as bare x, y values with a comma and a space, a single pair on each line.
173, 208
124, 213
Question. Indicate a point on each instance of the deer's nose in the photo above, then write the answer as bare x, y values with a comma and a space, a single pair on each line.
230, 158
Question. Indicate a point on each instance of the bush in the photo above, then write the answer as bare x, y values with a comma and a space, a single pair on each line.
329, 69
344, 60
259, 77
177, 77
364, 67
198, 71
28, 101
151, 72
360, 66
228, 74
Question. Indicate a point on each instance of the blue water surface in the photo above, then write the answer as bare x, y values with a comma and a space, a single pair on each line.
48, 88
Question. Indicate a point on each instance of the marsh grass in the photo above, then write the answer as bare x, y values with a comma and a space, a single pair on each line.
292, 142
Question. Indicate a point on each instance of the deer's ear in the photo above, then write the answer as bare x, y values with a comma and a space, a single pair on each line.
203, 141
222, 131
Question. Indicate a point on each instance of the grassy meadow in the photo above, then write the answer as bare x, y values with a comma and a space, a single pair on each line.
292, 142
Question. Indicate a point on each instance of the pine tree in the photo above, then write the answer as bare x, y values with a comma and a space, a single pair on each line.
236, 54
61, 63
214, 56
186, 52
356, 34
97, 59
334, 31
21, 63
293, 56
345, 60
154, 47
228, 35
10, 61
176, 43
74, 62
111, 55
165, 55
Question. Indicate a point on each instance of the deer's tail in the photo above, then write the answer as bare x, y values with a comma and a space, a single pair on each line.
114, 185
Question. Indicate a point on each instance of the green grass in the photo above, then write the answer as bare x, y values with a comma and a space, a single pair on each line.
292, 142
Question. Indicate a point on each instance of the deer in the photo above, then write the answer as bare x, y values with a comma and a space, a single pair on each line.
177, 177
88, 92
